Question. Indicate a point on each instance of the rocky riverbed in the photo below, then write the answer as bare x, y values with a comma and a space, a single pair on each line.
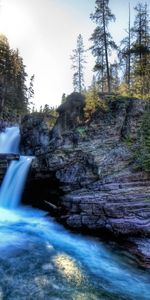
87, 173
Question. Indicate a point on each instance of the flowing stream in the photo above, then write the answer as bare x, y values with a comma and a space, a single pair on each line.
39, 259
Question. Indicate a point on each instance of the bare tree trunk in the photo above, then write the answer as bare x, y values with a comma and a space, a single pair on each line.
3, 94
106, 51
129, 55
80, 86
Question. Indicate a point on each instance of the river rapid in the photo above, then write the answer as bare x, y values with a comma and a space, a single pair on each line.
41, 260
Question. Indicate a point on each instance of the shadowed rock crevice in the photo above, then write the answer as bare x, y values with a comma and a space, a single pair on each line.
99, 188
43, 192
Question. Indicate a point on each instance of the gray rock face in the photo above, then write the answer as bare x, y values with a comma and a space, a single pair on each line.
94, 167
34, 133
120, 207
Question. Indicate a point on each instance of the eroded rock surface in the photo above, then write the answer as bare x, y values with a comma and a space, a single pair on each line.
94, 165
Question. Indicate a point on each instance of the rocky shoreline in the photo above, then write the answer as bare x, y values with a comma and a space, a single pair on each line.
89, 171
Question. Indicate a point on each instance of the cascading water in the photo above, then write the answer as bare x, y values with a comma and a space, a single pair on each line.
14, 180
41, 260
9, 140
13, 183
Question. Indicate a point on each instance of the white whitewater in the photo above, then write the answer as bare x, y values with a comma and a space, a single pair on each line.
14, 180
41, 260
9, 140
13, 183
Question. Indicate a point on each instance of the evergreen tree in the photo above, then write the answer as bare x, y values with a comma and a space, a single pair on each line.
5, 69
143, 151
63, 98
140, 31
102, 41
20, 93
31, 88
78, 59
50, 113
92, 100
141, 52
13, 89
114, 76
125, 55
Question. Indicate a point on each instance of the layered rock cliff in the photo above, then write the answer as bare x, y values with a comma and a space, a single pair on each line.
90, 168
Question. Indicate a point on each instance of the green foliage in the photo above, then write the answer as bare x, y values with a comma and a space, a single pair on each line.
114, 76
82, 130
31, 88
51, 114
134, 54
128, 141
143, 152
141, 84
123, 90
14, 94
92, 102
103, 43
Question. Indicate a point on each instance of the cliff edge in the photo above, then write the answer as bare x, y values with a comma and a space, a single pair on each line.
93, 166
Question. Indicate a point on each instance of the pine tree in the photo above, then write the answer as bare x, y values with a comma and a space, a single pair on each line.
140, 49
13, 89
78, 59
114, 76
140, 31
125, 55
63, 98
92, 100
31, 88
102, 41
4, 69
143, 151
21, 90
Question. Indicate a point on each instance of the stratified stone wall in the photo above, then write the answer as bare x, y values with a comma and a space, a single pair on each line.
94, 166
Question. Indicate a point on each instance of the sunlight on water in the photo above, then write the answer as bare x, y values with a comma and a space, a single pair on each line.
58, 263
39, 259
68, 267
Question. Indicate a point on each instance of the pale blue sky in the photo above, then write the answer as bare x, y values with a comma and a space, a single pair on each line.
45, 31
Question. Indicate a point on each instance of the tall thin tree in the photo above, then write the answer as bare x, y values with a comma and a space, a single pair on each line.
140, 49
129, 50
125, 54
78, 59
102, 40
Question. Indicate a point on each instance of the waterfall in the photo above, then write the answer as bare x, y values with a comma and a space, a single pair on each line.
9, 140
41, 260
14, 180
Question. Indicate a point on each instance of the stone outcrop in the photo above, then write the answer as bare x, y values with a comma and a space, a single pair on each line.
9, 156
119, 205
35, 129
5, 159
94, 166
